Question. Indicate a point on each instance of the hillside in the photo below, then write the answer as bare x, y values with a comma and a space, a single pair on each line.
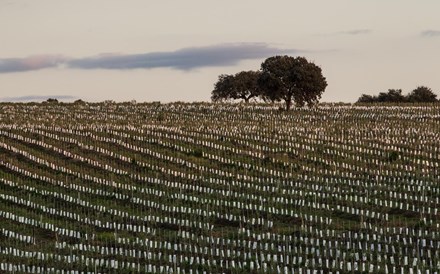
227, 188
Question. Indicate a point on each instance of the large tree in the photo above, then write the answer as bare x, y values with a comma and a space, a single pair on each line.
292, 80
243, 85
421, 94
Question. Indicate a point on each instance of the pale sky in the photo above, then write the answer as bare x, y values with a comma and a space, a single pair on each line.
175, 50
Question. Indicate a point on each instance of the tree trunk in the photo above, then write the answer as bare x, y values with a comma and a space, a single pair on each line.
288, 103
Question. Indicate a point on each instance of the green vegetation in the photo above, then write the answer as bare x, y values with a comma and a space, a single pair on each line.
282, 78
421, 94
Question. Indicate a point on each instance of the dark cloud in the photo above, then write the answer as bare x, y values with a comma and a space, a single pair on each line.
30, 63
183, 59
355, 32
37, 98
431, 33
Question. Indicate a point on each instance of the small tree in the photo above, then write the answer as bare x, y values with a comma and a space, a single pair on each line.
421, 94
292, 80
243, 85
246, 85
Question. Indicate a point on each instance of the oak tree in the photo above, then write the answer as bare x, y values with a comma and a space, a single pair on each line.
292, 80
243, 85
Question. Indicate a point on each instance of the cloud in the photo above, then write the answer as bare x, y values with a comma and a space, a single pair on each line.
182, 59
35, 98
30, 63
355, 32
431, 33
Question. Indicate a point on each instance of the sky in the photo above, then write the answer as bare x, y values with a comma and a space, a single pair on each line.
175, 50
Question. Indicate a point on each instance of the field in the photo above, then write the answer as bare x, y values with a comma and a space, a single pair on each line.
219, 188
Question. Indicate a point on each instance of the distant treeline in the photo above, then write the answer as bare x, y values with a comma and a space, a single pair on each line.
419, 95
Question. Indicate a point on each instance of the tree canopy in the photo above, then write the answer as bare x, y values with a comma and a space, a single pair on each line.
243, 85
292, 79
393, 95
223, 88
422, 94
281, 78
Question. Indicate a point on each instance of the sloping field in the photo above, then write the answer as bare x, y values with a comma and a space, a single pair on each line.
194, 188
